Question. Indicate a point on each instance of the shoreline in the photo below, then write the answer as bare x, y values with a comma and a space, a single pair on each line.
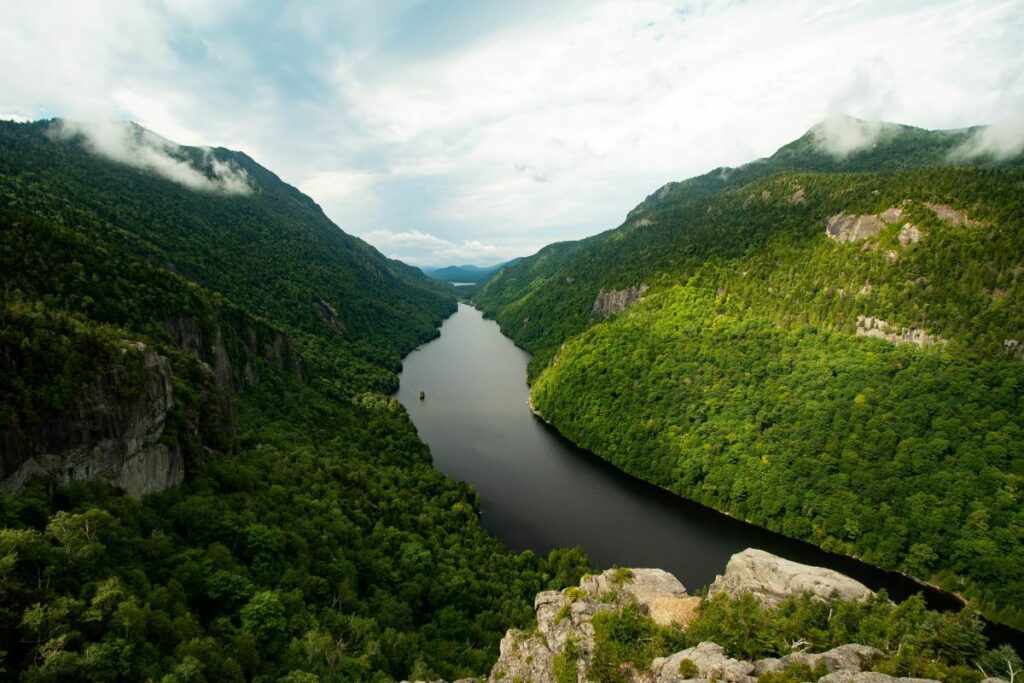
1009, 633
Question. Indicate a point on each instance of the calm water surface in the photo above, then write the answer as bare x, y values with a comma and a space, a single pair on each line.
539, 491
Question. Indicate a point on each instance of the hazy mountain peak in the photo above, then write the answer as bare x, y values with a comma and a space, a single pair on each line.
126, 142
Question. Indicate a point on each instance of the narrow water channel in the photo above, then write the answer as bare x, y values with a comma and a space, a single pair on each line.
538, 491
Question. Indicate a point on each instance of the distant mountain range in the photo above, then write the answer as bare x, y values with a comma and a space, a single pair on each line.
474, 274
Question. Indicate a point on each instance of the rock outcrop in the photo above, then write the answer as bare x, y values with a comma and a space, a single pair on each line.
662, 595
568, 615
112, 431
867, 677
952, 216
880, 329
842, 658
909, 234
849, 228
892, 215
1014, 347
616, 300
773, 579
253, 343
565, 619
330, 314
846, 228
710, 661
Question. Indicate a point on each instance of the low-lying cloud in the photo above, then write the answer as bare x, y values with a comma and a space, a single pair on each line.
140, 148
841, 135
998, 141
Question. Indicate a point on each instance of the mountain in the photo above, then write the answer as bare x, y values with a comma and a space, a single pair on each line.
826, 342
178, 324
474, 274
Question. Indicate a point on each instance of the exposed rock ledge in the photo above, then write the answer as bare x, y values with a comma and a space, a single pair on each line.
616, 300
880, 329
849, 228
952, 216
568, 615
772, 579
846, 228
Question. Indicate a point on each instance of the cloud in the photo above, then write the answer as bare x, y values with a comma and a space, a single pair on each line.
423, 249
841, 135
998, 141
509, 124
338, 188
143, 149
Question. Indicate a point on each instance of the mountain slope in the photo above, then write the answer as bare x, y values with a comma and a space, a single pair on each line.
269, 249
193, 329
555, 288
833, 355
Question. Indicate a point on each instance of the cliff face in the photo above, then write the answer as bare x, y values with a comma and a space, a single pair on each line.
235, 368
117, 425
616, 300
112, 431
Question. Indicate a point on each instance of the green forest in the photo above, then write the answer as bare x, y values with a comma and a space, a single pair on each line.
741, 381
312, 539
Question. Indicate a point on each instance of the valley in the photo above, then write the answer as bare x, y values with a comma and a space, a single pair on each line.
212, 469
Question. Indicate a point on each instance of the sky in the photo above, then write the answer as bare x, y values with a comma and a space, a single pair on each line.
461, 131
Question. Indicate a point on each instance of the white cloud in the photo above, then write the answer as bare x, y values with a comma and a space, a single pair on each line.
144, 149
423, 249
549, 127
339, 188
841, 135
1000, 141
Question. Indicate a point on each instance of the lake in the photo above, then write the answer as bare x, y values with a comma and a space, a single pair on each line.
538, 491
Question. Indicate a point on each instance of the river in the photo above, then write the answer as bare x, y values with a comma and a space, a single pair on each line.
538, 491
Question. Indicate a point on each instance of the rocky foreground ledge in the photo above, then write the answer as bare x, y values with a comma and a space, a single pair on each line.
562, 646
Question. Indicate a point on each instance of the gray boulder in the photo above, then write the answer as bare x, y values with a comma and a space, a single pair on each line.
772, 579
711, 663
661, 594
843, 658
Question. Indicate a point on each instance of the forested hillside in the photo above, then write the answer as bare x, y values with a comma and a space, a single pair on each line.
236, 337
828, 347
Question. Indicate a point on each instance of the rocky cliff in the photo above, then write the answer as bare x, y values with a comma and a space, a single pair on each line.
116, 426
113, 430
616, 300
234, 358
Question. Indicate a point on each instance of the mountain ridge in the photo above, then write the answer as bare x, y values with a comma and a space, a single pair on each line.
468, 273
729, 319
